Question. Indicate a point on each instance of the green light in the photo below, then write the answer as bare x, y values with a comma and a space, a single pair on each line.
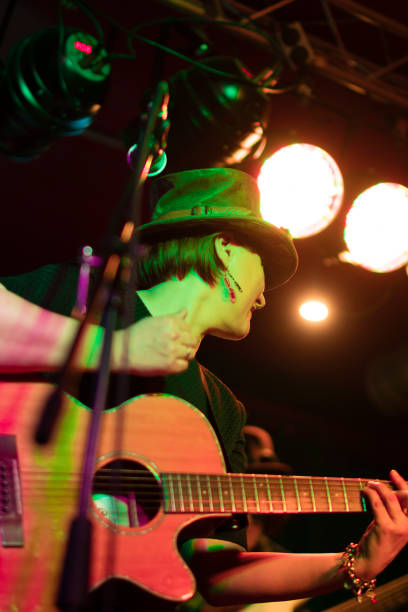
231, 91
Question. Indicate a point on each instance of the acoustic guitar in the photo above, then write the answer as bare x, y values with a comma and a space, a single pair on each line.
159, 456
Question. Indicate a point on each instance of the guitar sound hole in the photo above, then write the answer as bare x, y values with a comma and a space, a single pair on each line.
126, 493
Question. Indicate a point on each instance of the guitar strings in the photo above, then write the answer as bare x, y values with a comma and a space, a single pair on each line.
250, 478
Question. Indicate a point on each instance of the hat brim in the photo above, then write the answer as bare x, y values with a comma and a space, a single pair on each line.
274, 245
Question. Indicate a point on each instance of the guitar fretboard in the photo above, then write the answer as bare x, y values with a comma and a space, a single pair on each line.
260, 494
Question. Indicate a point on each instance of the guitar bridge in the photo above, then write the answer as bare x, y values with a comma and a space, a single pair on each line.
11, 508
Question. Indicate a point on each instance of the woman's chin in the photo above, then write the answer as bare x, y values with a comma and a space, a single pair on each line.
233, 334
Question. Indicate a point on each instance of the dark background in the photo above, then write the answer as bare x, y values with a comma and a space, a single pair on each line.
333, 395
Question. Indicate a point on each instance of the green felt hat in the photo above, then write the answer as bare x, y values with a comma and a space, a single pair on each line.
199, 202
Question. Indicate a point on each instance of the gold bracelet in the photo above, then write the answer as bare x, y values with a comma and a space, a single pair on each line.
360, 588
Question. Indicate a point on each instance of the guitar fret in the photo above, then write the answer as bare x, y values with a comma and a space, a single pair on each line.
268, 487
227, 494
299, 507
275, 494
362, 498
282, 493
205, 494
341, 501
220, 494
345, 495
292, 496
239, 501
180, 489
290, 501
171, 491
304, 492
336, 496
234, 509
200, 499
190, 493
263, 497
243, 494
328, 495
251, 502
165, 490
210, 498
256, 494
312, 494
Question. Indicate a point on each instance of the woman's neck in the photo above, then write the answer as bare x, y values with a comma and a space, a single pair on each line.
190, 293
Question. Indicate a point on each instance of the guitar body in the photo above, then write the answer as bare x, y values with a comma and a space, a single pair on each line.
155, 434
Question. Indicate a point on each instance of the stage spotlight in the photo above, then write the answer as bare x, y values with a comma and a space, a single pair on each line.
314, 311
53, 84
215, 120
301, 189
376, 231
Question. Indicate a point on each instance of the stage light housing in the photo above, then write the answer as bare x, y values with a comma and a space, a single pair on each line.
215, 121
301, 189
376, 231
295, 45
53, 84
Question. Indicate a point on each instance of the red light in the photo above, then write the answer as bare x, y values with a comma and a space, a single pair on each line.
83, 47
246, 72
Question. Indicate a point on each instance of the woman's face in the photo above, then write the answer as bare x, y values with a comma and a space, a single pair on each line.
244, 269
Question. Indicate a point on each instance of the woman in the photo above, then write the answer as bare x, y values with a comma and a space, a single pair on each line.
208, 261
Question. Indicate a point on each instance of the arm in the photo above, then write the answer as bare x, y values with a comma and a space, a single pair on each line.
35, 339
230, 575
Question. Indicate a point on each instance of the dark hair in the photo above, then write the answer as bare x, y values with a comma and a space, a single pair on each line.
177, 257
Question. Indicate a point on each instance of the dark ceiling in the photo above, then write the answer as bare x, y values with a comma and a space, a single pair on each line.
333, 395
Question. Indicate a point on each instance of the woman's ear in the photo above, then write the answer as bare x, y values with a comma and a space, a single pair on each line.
223, 248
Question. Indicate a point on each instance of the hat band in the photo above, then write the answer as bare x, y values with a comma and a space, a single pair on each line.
206, 211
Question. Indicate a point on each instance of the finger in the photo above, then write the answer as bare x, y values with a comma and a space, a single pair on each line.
398, 480
188, 345
378, 509
180, 365
181, 314
186, 338
386, 499
403, 500
179, 327
177, 331
402, 489
187, 352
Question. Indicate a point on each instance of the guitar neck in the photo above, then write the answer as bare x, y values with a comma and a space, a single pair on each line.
261, 494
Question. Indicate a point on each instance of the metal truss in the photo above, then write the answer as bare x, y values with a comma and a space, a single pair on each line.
332, 56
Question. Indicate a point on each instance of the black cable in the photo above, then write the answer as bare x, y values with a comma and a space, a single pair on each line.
215, 71
218, 22
61, 36
6, 19
88, 12
170, 20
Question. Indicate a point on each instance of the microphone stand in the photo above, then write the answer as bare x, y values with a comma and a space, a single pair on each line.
74, 582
